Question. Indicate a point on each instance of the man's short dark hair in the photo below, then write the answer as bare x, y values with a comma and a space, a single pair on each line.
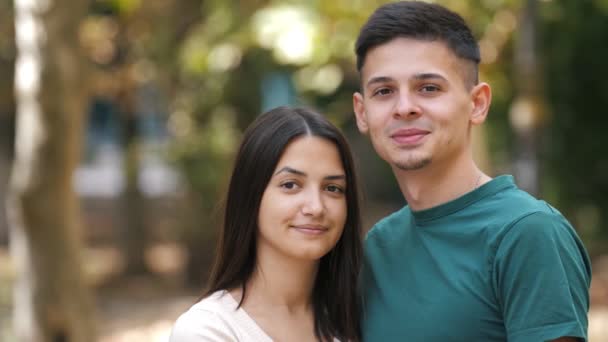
422, 21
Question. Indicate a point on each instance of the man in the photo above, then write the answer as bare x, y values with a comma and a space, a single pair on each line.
470, 258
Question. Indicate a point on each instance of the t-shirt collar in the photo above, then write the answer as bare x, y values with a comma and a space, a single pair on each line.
495, 185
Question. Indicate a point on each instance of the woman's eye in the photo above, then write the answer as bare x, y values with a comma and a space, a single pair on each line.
334, 188
289, 185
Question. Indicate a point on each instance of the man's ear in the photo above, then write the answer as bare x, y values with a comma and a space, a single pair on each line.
481, 97
359, 107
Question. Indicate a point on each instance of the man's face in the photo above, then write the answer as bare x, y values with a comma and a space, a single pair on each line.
415, 104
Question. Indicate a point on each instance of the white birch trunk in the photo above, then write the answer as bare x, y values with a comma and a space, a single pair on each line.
51, 300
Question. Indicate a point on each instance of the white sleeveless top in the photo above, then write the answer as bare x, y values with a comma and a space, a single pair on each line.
216, 318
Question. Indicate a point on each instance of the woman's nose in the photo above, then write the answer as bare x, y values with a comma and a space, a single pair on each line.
313, 203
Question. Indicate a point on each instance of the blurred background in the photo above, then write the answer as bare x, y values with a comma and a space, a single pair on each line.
119, 120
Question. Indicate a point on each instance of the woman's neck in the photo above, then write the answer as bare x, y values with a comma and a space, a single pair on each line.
281, 283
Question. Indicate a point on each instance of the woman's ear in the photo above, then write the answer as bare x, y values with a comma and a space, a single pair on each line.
481, 97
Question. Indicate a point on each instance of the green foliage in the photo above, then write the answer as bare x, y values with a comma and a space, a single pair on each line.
212, 57
575, 53
205, 156
124, 7
225, 54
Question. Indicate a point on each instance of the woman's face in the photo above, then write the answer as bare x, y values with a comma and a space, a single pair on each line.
303, 209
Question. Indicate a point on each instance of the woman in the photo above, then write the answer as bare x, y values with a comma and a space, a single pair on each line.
289, 253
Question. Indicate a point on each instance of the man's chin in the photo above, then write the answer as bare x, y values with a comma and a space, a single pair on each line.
412, 164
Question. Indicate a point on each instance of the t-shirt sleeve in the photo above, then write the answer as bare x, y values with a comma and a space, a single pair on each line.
542, 276
197, 325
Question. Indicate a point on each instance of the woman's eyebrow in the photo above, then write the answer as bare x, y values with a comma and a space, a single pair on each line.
291, 170
302, 173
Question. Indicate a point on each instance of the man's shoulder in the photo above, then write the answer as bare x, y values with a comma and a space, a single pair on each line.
515, 214
513, 205
526, 220
540, 225
387, 225
518, 198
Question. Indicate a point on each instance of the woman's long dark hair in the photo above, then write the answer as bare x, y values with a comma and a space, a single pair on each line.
335, 295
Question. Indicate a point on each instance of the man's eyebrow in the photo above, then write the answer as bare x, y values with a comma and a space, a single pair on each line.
428, 76
419, 77
378, 79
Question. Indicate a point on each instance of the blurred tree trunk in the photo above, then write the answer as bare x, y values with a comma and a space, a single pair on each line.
528, 109
7, 107
199, 237
6, 137
135, 233
51, 300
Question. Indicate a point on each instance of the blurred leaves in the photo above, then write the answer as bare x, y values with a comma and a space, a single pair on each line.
211, 58
575, 36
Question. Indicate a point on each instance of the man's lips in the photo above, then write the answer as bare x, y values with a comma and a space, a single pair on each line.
409, 136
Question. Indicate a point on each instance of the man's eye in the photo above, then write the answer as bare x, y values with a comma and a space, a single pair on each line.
383, 91
429, 88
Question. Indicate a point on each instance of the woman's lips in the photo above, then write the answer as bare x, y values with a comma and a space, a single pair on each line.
310, 229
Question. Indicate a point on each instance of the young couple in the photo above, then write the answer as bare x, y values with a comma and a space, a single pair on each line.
470, 258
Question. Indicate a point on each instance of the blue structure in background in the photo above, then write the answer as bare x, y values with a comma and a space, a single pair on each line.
277, 90
101, 173
103, 125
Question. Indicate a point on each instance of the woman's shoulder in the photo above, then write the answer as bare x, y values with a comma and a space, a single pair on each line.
207, 320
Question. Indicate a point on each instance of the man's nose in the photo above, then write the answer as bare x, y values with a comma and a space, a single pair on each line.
406, 105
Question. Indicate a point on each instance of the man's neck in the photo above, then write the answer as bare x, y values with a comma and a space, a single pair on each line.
437, 184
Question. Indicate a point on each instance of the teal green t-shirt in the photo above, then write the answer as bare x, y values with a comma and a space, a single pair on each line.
493, 265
